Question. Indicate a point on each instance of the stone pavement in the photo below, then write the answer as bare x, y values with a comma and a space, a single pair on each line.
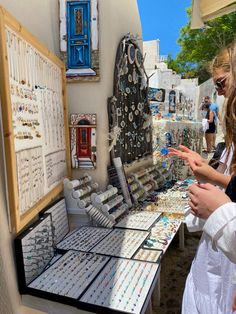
174, 270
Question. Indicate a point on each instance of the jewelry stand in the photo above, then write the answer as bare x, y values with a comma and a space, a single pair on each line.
107, 207
78, 200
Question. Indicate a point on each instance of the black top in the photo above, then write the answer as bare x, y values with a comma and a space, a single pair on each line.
231, 189
212, 126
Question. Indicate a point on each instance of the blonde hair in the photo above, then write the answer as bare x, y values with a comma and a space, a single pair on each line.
226, 60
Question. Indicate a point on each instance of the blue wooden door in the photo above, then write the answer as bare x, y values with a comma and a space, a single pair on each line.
78, 30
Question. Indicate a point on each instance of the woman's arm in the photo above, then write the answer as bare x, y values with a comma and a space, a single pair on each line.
221, 228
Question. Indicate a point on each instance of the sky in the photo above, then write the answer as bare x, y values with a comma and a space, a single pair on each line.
163, 19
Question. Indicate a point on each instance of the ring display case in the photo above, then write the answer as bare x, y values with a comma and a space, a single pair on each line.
123, 285
139, 221
121, 243
83, 239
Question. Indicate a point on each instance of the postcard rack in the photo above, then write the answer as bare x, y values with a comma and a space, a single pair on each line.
107, 207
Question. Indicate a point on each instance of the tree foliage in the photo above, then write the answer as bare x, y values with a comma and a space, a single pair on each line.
198, 47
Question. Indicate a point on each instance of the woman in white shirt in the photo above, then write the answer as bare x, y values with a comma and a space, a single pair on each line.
210, 285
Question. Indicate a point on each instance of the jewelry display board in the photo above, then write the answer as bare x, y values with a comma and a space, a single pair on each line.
139, 221
121, 243
123, 285
70, 275
148, 255
83, 239
162, 233
34, 111
60, 223
128, 110
34, 250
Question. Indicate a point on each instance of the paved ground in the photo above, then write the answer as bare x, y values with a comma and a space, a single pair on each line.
175, 268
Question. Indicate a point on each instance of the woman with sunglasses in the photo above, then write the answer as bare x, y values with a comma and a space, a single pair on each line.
210, 286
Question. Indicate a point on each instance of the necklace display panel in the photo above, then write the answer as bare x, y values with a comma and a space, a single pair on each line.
129, 113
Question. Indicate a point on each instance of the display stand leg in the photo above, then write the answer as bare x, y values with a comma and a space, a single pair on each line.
149, 308
156, 295
181, 237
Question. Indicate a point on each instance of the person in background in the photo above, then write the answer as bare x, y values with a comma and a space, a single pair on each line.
215, 108
210, 132
210, 287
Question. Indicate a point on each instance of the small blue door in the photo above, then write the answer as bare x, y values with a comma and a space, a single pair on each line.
78, 30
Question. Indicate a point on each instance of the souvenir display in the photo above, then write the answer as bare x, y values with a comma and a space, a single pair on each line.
129, 113
148, 255
123, 285
168, 133
34, 121
140, 221
35, 248
162, 233
83, 239
156, 94
121, 243
60, 223
70, 275
83, 140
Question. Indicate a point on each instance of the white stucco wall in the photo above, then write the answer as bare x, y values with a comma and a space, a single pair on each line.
41, 17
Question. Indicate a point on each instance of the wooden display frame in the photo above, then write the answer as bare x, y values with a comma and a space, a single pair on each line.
25, 40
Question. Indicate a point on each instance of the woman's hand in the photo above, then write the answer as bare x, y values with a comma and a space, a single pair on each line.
202, 171
205, 199
185, 153
234, 303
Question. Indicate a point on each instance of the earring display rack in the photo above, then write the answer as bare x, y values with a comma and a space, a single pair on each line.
34, 249
70, 275
60, 223
107, 207
83, 239
148, 255
138, 220
121, 243
162, 233
34, 116
123, 285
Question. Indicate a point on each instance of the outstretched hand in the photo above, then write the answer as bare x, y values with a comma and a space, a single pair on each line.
205, 199
185, 153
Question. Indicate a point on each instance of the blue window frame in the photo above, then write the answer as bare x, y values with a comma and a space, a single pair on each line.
78, 32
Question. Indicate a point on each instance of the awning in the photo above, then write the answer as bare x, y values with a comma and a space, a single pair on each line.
205, 10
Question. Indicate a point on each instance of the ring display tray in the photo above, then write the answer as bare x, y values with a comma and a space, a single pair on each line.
123, 286
34, 250
60, 221
83, 239
148, 255
70, 275
139, 220
121, 243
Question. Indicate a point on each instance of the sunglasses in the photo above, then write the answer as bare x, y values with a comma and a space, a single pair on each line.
220, 84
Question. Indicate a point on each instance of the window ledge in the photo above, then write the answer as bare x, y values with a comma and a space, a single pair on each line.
80, 72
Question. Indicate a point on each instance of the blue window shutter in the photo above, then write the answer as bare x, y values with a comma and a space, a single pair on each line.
78, 31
